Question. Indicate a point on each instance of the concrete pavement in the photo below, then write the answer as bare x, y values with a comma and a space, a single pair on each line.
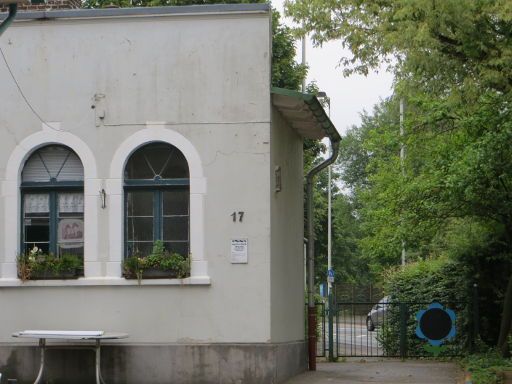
385, 371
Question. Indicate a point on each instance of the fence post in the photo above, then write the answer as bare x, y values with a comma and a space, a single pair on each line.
331, 327
403, 330
475, 330
337, 328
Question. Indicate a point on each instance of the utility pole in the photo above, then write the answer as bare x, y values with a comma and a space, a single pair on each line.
330, 271
402, 160
304, 62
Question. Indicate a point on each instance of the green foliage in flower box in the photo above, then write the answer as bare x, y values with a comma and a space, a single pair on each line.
38, 265
160, 260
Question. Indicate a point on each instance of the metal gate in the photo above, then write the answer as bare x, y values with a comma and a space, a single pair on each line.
321, 331
389, 329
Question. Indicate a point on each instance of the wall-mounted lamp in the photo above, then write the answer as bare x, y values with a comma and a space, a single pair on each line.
103, 197
278, 180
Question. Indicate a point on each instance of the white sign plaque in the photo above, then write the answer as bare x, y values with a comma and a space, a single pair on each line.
239, 249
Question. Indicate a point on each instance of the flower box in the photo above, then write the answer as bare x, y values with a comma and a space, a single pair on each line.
54, 275
152, 273
36, 265
159, 264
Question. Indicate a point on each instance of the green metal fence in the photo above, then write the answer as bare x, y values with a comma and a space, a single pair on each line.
390, 331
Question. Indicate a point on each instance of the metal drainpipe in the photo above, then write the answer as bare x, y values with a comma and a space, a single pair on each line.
311, 252
13, 9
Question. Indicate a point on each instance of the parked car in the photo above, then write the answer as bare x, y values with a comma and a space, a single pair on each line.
376, 316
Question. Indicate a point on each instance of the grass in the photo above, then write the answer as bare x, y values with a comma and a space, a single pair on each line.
486, 368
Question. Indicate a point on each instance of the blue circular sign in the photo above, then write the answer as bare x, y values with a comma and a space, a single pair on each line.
435, 324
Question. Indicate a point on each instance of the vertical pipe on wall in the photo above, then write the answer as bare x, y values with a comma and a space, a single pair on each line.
311, 251
13, 9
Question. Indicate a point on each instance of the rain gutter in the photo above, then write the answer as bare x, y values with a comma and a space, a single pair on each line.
310, 253
307, 116
13, 9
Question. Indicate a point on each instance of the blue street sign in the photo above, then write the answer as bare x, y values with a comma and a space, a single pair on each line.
330, 276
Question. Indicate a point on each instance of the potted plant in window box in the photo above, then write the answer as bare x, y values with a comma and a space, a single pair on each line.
157, 265
37, 265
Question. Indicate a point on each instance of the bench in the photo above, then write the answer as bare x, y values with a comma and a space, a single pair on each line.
95, 336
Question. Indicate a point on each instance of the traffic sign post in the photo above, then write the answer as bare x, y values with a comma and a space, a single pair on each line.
330, 276
330, 280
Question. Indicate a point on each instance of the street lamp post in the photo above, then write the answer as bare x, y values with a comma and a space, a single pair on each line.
402, 160
330, 271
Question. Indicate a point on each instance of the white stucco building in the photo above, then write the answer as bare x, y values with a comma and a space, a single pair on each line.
121, 127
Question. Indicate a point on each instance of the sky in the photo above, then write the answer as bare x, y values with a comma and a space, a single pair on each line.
349, 95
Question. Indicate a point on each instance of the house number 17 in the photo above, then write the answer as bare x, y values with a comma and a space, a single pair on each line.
240, 216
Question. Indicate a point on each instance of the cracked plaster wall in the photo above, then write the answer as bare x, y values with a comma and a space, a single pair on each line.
102, 80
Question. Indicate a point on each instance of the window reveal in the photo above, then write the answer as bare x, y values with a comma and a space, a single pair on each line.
156, 200
53, 202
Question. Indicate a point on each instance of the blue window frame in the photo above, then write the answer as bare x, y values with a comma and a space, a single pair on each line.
52, 202
156, 184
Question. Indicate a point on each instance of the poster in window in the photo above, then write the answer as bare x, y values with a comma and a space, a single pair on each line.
71, 231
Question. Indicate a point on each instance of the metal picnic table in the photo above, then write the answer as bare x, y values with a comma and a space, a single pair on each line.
96, 336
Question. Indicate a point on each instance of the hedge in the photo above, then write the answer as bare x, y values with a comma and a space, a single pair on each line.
417, 285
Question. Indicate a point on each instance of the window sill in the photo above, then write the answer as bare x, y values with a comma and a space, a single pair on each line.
105, 281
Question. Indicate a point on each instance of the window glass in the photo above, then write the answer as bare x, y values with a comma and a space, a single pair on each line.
175, 202
36, 221
139, 248
140, 228
71, 203
175, 228
53, 208
158, 159
140, 203
180, 247
176, 168
139, 222
53, 162
156, 207
71, 223
36, 203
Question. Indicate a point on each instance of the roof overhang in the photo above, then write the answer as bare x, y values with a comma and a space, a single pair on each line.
190, 10
304, 113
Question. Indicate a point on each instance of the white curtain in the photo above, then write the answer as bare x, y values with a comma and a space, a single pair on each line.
37, 203
71, 202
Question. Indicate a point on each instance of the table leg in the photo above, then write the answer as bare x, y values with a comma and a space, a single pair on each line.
98, 363
99, 378
42, 347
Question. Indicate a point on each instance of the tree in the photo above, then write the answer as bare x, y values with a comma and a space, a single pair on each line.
468, 39
453, 198
286, 73
452, 61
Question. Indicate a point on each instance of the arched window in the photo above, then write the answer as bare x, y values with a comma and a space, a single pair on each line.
52, 191
156, 184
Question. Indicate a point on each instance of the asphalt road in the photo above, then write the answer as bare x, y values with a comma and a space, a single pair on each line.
353, 340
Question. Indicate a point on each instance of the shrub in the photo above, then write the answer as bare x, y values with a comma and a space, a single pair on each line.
486, 368
417, 285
